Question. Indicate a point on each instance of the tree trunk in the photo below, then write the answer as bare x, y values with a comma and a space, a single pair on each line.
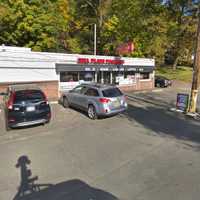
175, 63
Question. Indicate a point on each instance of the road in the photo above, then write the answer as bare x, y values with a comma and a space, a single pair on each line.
148, 153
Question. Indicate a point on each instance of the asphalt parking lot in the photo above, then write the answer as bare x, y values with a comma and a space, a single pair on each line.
165, 97
147, 153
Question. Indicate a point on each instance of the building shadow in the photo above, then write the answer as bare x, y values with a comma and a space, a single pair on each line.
147, 98
165, 123
69, 190
158, 99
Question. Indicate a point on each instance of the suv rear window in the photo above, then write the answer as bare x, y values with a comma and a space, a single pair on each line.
112, 92
28, 95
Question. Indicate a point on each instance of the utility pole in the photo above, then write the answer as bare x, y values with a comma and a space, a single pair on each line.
196, 71
95, 39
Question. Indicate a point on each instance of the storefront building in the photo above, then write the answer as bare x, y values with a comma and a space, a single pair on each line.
56, 72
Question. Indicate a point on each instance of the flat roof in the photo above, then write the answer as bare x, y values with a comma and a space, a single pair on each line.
19, 87
21, 54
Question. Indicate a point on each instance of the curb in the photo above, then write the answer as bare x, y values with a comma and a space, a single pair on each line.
53, 102
195, 116
146, 91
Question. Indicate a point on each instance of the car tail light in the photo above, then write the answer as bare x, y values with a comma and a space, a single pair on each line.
104, 100
11, 101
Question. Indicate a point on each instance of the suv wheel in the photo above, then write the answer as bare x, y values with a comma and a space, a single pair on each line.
92, 112
65, 102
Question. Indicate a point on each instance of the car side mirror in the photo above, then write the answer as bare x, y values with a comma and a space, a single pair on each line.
3, 93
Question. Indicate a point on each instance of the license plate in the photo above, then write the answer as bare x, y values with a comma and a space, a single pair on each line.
116, 103
30, 108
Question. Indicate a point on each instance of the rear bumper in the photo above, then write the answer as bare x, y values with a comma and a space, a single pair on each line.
113, 112
28, 123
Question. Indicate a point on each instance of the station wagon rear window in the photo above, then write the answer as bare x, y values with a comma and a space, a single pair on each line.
112, 92
26, 95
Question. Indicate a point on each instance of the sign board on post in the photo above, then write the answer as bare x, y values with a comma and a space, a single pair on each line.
182, 101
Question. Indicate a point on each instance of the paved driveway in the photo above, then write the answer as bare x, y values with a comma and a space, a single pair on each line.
165, 97
147, 153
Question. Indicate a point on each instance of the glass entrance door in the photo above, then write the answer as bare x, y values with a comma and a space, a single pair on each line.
106, 77
103, 77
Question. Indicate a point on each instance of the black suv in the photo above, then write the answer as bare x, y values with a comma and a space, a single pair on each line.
25, 105
161, 81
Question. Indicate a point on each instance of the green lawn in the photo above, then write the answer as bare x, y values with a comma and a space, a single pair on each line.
181, 73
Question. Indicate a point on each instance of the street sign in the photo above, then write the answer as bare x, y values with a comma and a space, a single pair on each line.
182, 101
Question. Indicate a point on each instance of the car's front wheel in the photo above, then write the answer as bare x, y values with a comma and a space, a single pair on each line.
92, 112
65, 102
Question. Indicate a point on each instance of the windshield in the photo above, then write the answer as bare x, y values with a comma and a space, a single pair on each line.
112, 92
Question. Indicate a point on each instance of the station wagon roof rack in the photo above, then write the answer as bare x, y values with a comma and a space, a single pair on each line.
97, 85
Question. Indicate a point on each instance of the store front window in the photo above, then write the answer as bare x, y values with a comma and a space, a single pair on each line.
77, 76
106, 77
130, 77
70, 79
144, 76
116, 77
87, 76
103, 77
68, 76
129, 73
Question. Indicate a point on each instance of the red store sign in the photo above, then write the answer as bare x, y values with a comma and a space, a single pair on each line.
99, 61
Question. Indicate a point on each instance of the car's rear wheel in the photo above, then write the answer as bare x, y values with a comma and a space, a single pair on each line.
92, 112
65, 102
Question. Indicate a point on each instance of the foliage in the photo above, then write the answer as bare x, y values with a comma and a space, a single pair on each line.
28, 23
182, 26
156, 27
181, 73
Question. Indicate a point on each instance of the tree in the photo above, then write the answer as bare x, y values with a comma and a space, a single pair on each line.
142, 22
154, 26
88, 13
182, 26
28, 23
43, 25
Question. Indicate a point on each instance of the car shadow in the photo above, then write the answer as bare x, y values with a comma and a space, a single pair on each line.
84, 113
146, 98
68, 190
